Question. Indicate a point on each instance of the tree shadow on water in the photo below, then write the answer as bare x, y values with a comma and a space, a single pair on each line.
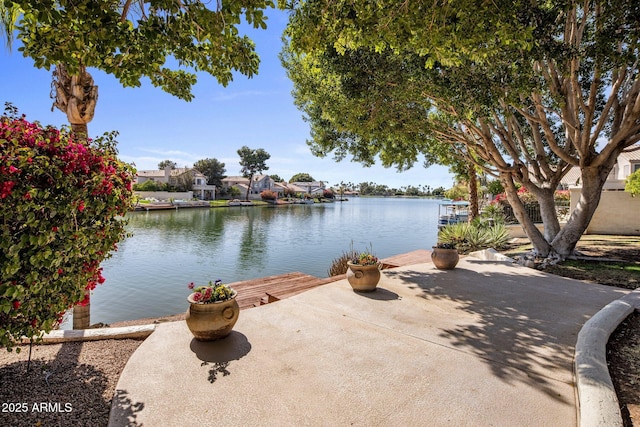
523, 324
220, 353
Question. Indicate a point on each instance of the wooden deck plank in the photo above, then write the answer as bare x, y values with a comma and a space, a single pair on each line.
254, 292
264, 290
415, 257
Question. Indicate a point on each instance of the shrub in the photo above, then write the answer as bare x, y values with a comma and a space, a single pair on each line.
339, 265
268, 195
495, 187
327, 194
62, 202
632, 184
493, 212
473, 237
150, 186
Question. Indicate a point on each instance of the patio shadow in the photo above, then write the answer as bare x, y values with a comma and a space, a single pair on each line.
523, 323
221, 352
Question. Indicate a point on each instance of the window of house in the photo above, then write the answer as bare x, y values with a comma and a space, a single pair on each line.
635, 166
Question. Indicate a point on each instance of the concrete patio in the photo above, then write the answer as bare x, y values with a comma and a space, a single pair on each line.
488, 343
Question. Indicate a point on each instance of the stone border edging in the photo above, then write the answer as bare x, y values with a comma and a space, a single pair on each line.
61, 336
597, 400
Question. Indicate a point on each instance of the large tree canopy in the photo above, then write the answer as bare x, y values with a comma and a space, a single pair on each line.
524, 90
213, 169
168, 41
253, 162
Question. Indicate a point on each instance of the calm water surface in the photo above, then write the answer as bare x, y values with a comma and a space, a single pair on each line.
148, 276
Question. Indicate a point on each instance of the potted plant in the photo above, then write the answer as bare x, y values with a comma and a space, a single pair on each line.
445, 255
364, 272
213, 310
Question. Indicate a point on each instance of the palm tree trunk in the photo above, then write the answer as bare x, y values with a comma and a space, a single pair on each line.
76, 96
472, 184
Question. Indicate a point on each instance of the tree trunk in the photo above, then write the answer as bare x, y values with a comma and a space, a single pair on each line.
76, 96
540, 245
546, 201
472, 183
593, 180
249, 188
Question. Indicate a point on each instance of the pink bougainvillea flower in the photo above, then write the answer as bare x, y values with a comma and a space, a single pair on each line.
16, 304
81, 206
5, 189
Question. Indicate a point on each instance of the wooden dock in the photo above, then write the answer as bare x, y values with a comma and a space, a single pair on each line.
265, 290
416, 257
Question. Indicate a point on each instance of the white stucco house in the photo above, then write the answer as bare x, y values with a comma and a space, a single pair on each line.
314, 188
258, 185
199, 185
628, 162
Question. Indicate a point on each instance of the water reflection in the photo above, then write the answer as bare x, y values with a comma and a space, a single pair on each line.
147, 277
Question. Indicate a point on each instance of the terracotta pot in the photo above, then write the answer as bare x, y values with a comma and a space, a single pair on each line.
208, 322
363, 278
444, 259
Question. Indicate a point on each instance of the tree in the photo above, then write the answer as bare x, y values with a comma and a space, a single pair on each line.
524, 91
213, 169
167, 163
302, 177
633, 184
276, 178
183, 181
252, 162
495, 187
61, 202
131, 41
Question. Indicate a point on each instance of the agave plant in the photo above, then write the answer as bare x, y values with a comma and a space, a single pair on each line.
473, 237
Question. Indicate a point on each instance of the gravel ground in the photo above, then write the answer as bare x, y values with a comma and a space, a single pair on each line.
69, 384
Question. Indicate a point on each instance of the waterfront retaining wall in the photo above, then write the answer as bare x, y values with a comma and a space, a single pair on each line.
165, 195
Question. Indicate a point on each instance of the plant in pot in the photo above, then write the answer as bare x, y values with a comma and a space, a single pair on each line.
213, 310
364, 272
445, 255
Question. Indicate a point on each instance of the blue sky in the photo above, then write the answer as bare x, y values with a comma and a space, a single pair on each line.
257, 112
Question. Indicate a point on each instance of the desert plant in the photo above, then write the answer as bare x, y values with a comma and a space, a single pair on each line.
473, 237
498, 236
339, 265
494, 213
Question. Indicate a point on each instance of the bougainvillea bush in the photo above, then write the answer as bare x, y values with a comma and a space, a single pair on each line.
62, 203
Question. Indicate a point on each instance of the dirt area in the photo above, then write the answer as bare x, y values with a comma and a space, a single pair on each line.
69, 384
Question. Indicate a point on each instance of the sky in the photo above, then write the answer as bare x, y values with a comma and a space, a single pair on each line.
257, 112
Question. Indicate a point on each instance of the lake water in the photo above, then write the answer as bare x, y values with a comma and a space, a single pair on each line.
148, 275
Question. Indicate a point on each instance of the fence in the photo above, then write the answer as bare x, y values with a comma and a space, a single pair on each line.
533, 210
